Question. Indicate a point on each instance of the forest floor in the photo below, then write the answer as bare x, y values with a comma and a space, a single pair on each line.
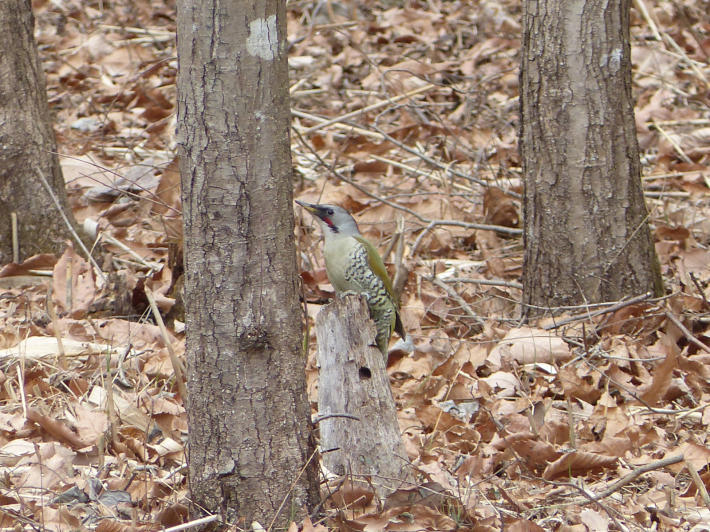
595, 421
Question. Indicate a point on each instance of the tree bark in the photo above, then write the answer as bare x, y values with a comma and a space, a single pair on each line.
28, 147
585, 222
251, 452
353, 380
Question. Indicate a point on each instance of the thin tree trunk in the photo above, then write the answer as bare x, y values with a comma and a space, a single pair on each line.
366, 443
250, 443
586, 233
27, 144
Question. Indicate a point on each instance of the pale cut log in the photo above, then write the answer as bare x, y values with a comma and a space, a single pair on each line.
353, 380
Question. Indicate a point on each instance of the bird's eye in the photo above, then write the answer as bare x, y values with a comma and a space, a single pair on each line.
331, 212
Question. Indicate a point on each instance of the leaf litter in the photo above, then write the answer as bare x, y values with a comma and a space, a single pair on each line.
406, 114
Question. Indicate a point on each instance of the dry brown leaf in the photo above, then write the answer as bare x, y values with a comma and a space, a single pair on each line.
58, 519
573, 528
663, 373
527, 345
499, 208
53, 466
576, 463
372, 167
414, 518
594, 520
695, 454
168, 191
57, 429
665, 232
110, 525
522, 525
352, 494
89, 424
694, 261
12, 451
44, 261
129, 415
74, 284
536, 454
502, 384
173, 515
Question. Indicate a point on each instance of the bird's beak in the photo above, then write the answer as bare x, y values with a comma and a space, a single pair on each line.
310, 207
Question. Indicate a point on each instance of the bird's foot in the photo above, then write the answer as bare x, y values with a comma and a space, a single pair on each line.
354, 293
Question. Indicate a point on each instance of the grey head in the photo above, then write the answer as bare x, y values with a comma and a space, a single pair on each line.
334, 220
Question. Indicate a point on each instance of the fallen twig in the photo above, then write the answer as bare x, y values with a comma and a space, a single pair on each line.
623, 481
401, 271
61, 354
698, 483
673, 143
586, 315
445, 167
456, 297
191, 524
689, 335
647, 17
69, 225
21, 385
590, 496
174, 360
344, 127
699, 288
372, 107
488, 282
15, 238
153, 266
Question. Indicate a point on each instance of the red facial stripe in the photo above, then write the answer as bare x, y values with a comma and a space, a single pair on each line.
331, 225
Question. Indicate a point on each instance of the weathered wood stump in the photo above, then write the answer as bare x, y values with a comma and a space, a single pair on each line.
353, 381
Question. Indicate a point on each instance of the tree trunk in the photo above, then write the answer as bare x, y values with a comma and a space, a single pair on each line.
586, 234
353, 380
250, 443
28, 148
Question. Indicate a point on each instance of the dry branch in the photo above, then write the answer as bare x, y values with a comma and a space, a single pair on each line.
587, 315
627, 479
178, 369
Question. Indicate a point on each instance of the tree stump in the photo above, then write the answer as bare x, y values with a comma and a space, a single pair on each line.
354, 381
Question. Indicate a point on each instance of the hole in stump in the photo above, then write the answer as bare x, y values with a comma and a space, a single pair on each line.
365, 372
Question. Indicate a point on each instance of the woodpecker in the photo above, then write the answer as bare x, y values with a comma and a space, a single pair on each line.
354, 265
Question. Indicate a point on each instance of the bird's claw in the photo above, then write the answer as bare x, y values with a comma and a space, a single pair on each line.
354, 293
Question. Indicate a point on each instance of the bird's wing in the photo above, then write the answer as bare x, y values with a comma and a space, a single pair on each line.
377, 266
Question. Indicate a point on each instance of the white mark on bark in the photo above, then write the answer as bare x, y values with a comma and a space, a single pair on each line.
612, 61
226, 467
263, 40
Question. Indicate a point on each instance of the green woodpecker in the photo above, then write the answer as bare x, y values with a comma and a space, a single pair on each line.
354, 265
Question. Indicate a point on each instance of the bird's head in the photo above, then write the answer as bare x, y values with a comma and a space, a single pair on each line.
333, 220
